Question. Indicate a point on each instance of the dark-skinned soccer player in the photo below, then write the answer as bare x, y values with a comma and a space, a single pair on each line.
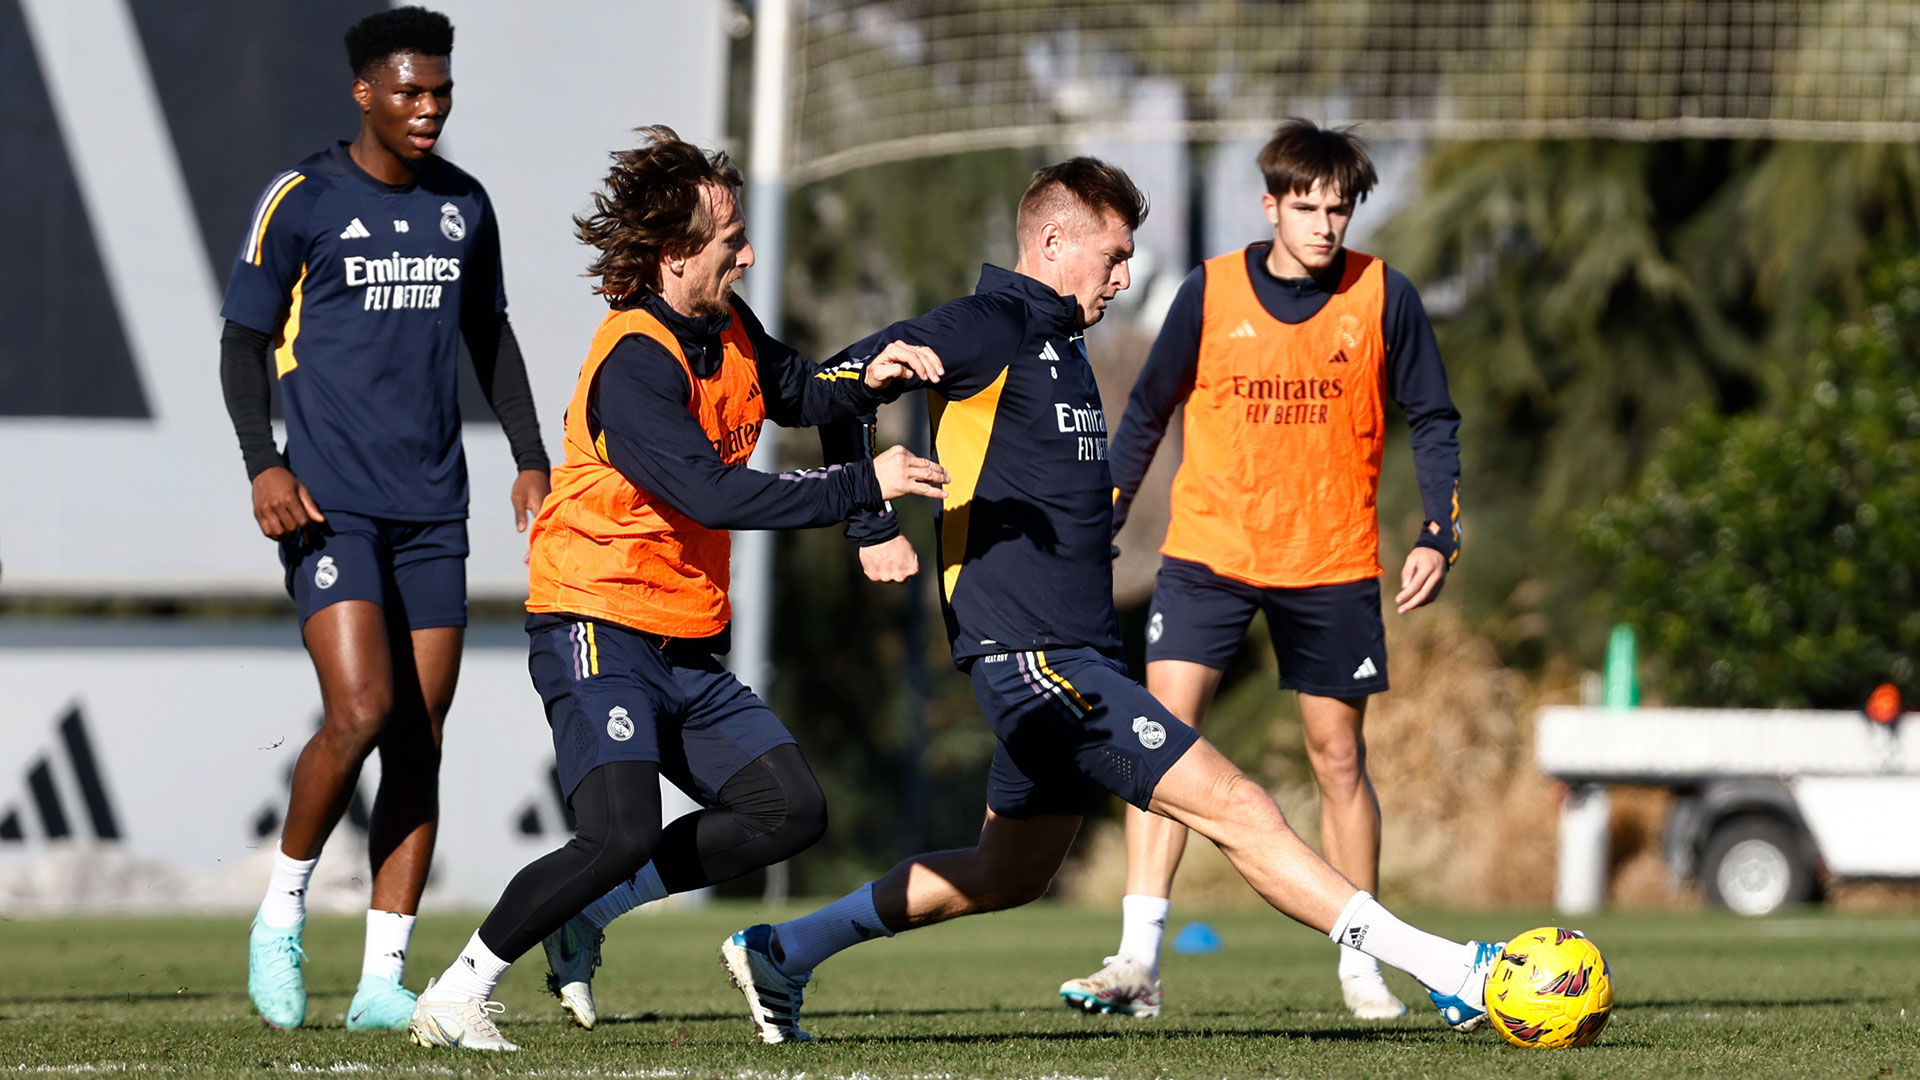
363, 270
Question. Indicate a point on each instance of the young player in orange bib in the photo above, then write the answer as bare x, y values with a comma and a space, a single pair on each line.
1284, 354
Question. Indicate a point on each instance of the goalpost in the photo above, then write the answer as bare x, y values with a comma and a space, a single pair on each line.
890, 80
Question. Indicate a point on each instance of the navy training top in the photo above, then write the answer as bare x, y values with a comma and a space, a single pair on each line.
366, 287
1025, 533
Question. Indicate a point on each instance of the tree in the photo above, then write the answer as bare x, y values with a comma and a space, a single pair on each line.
1771, 559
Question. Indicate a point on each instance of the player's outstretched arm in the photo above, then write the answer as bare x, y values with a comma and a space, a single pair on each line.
638, 409
885, 555
902, 472
902, 365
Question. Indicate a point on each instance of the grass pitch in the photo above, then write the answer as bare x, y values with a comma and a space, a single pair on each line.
1816, 994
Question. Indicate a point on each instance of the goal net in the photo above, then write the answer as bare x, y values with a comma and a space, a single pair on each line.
891, 80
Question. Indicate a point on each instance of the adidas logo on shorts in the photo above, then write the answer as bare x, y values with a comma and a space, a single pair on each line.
1366, 670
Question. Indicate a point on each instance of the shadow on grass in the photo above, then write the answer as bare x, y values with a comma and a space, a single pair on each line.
811, 1015
123, 997
1748, 1003
1407, 1036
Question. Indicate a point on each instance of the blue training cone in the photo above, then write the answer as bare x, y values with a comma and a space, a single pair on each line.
1197, 937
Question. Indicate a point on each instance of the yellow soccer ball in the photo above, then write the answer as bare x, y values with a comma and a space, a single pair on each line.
1549, 989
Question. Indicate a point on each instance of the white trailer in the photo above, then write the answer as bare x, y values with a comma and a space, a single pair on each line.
1768, 804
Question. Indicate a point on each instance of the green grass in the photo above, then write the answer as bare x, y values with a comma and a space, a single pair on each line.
1698, 995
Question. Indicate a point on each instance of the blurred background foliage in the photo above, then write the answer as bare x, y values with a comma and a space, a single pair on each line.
1771, 557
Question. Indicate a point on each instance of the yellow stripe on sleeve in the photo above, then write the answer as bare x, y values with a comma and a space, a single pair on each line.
593, 652
283, 358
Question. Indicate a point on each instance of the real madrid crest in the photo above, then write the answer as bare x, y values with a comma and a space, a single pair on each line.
325, 573
619, 725
452, 225
1152, 734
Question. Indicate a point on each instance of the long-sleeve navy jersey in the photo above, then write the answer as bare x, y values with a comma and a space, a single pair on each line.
1415, 378
639, 403
1025, 533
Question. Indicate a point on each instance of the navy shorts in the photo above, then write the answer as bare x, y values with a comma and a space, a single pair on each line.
415, 570
614, 694
1328, 639
1072, 726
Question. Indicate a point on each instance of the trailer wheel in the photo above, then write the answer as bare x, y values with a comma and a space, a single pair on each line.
1756, 865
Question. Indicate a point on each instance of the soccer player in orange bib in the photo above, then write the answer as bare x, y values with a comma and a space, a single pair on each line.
1284, 354
627, 599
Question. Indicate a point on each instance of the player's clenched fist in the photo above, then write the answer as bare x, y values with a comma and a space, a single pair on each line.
900, 361
902, 472
282, 504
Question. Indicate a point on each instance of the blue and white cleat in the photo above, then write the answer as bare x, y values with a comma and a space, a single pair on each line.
773, 996
380, 1005
274, 982
573, 951
1466, 1008
464, 1023
1122, 988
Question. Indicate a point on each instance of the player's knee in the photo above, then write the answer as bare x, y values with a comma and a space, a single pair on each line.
805, 820
628, 844
1017, 882
1340, 767
1244, 802
356, 721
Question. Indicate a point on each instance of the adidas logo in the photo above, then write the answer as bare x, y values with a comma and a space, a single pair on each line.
1047, 353
1340, 357
1366, 670
355, 231
557, 818
1244, 330
75, 757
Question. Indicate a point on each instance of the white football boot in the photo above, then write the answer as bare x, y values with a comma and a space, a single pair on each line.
1369, 998
1122, 987
462, 1022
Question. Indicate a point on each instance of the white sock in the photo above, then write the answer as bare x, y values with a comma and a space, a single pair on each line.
1439, 964
848, 921
388, 933
1356, 964
286, 902
642, 888
473, 974
1143, 925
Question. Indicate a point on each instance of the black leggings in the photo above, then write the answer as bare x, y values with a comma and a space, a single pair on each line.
772, 809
